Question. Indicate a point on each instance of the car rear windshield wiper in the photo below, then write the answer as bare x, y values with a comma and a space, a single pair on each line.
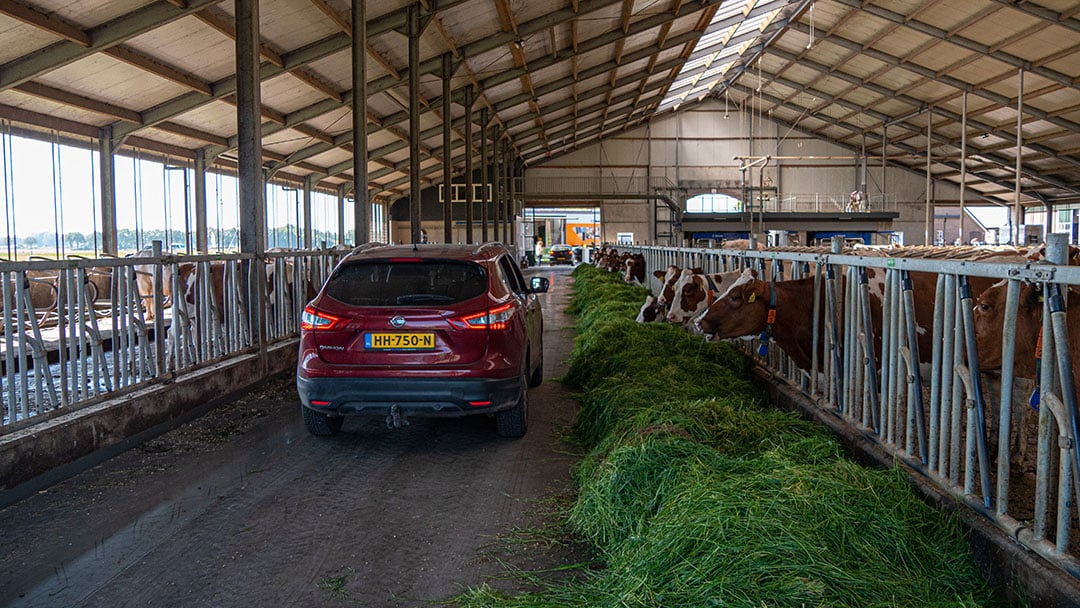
423, 297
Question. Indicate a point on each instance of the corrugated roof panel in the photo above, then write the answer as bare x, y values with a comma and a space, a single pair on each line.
287, 94
190, 45
471, 21
1048, 41
45, 106
334, 123
89, 14
291, 25
173, 139
21, 39
103, 78
337, 69
949, 14
216, 117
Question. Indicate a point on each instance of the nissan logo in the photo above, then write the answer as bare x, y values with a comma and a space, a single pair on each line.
398, 321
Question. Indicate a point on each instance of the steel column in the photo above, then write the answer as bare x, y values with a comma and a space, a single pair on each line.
447, 155
248, 105
929, 229
414, 122
1018, 210
469, 98
511, 190
106, 169
361, 207
484, 176
200, 202
341, 212
963, 162
308, 183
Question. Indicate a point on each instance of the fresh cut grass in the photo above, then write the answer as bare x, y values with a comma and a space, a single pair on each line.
694, 493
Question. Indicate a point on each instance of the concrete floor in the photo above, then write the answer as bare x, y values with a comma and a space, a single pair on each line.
242, 507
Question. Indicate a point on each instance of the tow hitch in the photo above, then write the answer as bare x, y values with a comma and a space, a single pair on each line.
395, 419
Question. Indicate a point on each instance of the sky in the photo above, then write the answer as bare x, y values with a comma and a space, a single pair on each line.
28, 180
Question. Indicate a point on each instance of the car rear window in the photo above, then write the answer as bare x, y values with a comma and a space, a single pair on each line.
406, 283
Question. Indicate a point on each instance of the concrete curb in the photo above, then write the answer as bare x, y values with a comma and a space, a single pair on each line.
42, 454
1011, 568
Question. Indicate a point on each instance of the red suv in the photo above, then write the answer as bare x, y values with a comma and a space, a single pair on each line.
422, 330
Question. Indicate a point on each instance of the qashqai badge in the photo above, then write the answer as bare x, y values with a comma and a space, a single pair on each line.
398, 321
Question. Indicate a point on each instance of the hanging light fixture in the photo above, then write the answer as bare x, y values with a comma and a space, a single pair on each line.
727, 97
811, 42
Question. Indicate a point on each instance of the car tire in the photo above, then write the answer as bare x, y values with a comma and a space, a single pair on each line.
514, 422
537, 376
321, 425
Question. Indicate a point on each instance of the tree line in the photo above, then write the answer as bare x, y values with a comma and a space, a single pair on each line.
130, 241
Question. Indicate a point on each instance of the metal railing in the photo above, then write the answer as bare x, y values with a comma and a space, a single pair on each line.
935, 411
830, 203
75, 332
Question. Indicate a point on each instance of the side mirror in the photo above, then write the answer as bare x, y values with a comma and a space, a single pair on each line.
539, 285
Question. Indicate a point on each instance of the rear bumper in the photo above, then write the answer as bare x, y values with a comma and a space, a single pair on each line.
436, 397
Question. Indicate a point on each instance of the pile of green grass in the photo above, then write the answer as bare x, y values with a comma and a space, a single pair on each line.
695, 494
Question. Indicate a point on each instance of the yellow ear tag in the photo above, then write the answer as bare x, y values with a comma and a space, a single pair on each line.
753, 296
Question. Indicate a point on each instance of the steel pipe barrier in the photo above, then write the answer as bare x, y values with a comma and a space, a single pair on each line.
972, 442
78, 331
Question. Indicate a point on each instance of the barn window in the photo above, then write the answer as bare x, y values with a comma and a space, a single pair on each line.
713, 203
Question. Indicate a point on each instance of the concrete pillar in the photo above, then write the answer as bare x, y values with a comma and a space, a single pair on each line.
414, 121
469, 238
249, 135
361, 207
107, 170
201, 245
483, 176
308, 185
448, 152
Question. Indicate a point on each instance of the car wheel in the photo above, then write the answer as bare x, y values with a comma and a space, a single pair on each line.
515, 421
320, 424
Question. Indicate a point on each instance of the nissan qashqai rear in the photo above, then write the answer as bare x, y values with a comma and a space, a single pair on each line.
431, 330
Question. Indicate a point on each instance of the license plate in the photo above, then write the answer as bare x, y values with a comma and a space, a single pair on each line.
399, 341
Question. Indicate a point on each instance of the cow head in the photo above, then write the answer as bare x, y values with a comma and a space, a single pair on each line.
695, 291
649, 311
989, 319
634, 271
667, 287
740, 311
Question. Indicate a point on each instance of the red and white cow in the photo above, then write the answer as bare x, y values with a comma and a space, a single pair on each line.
649, 312
694, 292
634, 269
989, 320
743, 312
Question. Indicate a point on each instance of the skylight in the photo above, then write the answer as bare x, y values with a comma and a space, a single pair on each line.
736, 28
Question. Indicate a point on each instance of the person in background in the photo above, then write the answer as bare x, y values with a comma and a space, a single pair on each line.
539, 248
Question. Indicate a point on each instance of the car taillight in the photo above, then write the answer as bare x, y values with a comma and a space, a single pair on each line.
313, 320
495, 318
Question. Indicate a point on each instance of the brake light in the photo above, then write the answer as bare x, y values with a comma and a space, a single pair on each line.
313, 320
495, 319
405, 260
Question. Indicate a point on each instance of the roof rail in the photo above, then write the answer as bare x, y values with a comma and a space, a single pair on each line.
483, 246
366, 246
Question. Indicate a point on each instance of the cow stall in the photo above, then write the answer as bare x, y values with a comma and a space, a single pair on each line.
921, 355
77, 335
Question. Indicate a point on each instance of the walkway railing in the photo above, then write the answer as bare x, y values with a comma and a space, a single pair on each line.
75, 332
974, 435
